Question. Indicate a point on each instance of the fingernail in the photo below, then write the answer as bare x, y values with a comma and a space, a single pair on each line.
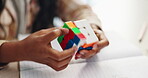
82, 53
95, 46
75, 48
56, 30
66, 30
79, 56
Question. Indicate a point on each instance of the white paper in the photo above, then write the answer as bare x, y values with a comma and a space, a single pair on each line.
112, 62
133, 67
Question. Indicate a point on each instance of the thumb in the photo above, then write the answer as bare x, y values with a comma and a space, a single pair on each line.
54, 34
68, 53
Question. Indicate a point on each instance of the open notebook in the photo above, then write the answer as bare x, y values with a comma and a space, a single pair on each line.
120, 59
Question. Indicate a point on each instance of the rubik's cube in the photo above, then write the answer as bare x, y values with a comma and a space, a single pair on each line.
80, 34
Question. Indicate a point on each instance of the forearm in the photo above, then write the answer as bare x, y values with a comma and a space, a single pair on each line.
71, 10
87, 13
9, 52
2, 65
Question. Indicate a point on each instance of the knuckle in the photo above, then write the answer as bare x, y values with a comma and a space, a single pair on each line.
57, 69
49, 65
38, 40
58, 64
55, 33
58, 57
60, 68
42, 30
107, 43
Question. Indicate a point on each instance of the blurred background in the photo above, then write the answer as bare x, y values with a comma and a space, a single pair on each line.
128, 18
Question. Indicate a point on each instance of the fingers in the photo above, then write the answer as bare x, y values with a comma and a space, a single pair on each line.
58, 56
58, 68
61, 60
85, 54
68, 52
103, 40
55, 65
44, 31
60, 63
51, 35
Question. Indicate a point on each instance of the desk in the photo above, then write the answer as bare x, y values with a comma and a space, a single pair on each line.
11, 71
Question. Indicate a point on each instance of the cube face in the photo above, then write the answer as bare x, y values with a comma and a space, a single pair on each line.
66, 39
80, 33
86, 29
69, 39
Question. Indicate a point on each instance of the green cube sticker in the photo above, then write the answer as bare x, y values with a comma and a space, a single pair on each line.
76, 30
66, 26
60, 38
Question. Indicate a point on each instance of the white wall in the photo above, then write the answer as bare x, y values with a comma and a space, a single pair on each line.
122, 16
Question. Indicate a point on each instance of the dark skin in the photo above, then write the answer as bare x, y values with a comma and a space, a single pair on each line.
37, 47
103, 42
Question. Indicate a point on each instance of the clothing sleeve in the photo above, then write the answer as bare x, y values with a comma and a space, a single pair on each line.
8, 22
2, 65
71, 10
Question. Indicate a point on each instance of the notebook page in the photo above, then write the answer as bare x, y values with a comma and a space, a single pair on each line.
133, 67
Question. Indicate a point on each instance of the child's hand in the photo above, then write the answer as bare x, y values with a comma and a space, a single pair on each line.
37, 47
103, 42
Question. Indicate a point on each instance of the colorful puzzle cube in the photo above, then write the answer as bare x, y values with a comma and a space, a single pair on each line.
74, 36
80, 33
86, 29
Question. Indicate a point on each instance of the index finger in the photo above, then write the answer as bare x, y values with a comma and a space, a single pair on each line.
103, 40
68, 53
58, 56
54, 34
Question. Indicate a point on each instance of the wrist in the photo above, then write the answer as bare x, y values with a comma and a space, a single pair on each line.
9, 52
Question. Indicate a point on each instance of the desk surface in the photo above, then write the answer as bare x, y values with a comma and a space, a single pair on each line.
11, 71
